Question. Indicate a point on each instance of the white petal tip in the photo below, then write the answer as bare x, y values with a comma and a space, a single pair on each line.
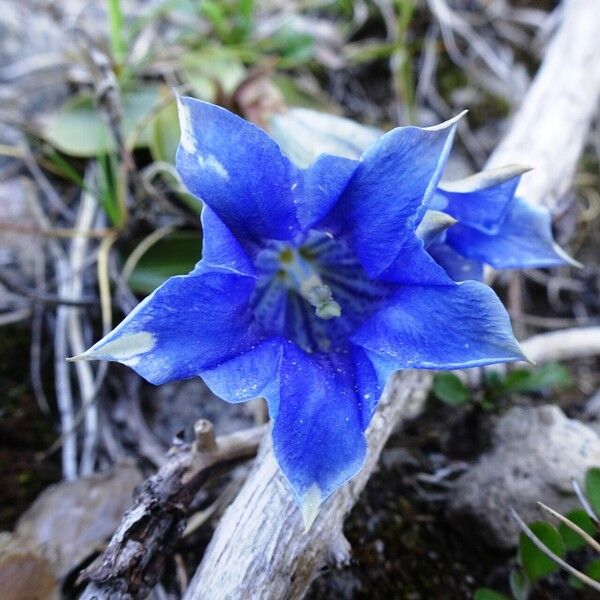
447, 124
525, 357
310, 506
77, 358
518, 168
568, 259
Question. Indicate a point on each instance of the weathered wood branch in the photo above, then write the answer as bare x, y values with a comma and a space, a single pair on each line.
264, 525
259, 549
567, 344
134, 559
550, 128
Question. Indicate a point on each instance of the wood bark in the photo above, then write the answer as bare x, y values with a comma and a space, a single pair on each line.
259, 549
133, 561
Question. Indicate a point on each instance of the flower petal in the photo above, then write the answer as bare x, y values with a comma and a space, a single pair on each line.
481, 200
458, 267
251, 374
387, 198
369, 384
237, 170
439, 327
322, 184
318, 431
188, 324
524, 240
220, 249
432, 227
241, 173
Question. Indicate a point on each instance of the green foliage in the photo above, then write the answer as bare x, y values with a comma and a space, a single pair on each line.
536, 564
526, 381
448, 388
77, 129
291, 46
211, 70
488, 594
592, 488
109, 188
592, 569
231, 20
175, 254
63, 168
572, 540
164, 134
115, 28
519, 585
402, 58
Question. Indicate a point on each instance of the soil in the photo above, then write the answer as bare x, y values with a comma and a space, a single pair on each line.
25, 432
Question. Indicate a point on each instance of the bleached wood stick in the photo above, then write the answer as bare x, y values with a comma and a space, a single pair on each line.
551, 126
578, 342
258, 549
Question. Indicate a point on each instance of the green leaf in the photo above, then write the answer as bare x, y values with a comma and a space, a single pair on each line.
488, 594
592, 488
77, 129
294, 95
575, 583
592, 569
572, 540
292, 47
448, 388
164, 134
519, 585
535, 563
175, 254
549, 376
109, 187
210, 68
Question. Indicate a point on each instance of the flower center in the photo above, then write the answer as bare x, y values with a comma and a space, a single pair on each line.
313, 291
300, 273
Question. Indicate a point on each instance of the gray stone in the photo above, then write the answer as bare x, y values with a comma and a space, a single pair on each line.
536, 453
175, 407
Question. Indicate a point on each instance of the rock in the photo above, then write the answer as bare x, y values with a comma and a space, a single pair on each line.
24, 572
175, 407
592, 410
536, 452
71, 520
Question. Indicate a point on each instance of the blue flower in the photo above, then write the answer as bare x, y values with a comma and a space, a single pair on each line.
312, 290
489, 225
493, 226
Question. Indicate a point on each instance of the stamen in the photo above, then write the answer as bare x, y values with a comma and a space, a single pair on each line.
320, 296
309, 284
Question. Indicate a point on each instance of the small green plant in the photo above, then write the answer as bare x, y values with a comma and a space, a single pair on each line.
450, 389
543, 546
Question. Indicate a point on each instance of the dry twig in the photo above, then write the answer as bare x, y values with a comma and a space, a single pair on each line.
133, 562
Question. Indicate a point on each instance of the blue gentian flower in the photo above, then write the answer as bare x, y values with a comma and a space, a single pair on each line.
489, 225
312, 290
493, 226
